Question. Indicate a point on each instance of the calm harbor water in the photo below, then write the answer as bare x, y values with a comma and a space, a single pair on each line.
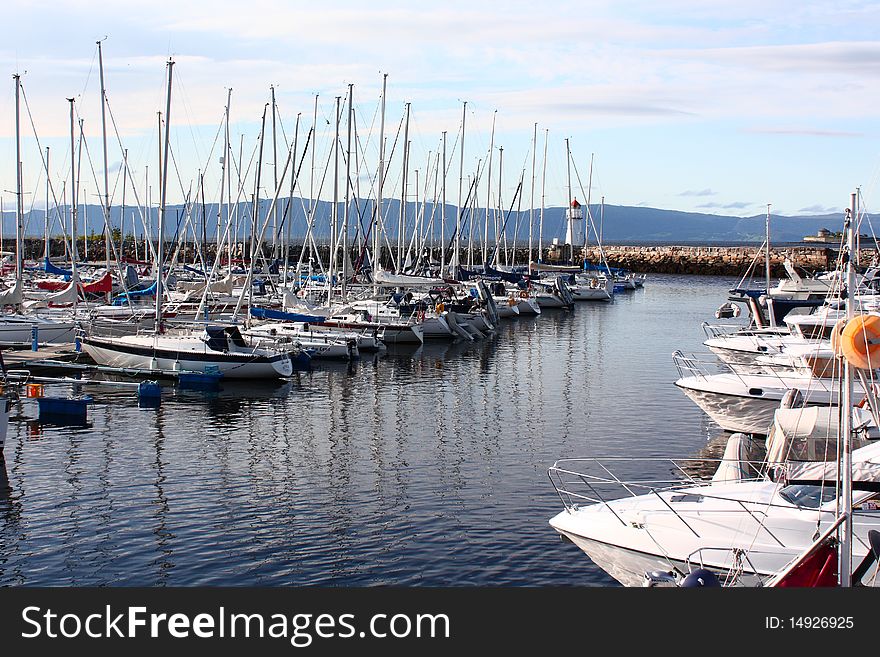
420, 467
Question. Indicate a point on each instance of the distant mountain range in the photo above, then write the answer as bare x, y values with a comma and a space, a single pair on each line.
619, 224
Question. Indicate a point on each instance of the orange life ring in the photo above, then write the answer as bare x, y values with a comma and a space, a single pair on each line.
859, 341
524, 294
440, 308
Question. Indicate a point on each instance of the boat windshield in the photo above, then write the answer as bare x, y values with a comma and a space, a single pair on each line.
811, 497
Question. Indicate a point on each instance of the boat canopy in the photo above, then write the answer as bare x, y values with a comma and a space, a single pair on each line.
269, 313
219, 338
810, 433
387, 278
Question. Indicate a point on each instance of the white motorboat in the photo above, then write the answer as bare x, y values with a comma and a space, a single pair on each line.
745, 401
749, 525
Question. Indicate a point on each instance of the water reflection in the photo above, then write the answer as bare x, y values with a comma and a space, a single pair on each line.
412, 466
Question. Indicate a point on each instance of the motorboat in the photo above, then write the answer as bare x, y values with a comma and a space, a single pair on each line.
747, 519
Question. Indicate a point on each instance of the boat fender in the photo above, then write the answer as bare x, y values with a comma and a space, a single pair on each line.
700, 577
859, 342
835, 335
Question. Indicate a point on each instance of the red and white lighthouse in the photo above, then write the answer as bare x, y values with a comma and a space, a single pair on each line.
574, 230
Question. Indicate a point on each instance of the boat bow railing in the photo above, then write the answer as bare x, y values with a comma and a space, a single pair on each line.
579, 481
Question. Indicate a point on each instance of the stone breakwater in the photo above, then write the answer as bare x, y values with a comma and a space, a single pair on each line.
667, 259
718, 260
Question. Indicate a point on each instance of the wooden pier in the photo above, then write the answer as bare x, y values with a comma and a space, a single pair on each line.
15, 358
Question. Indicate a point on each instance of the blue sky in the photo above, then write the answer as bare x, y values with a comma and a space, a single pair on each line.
688, 105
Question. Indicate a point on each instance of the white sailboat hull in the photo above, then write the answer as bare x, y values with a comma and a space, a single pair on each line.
18, 330
138, 352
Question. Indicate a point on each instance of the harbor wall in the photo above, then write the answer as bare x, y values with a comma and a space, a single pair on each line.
718, 260
671, 259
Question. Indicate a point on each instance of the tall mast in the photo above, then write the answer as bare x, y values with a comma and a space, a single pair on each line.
767, 258
162, 201
289, 213
227, 168
46, 253
401, 223
312, 177
19, 211
457, 252
543, 190
106, 174
380, 225
570, 212
122, 211
74, 256
489, 191
275, 172
334, 211
345, 259
443, 212
532, 201
500, 236
846, 490
588, 219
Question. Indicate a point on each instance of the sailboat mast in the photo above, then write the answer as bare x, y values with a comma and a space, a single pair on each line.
48, 184
767, 256
345, 258
532, 199
457, 252
569, 208
489, 191
380, 224
543, 191
288, 216
275, 174
334, 211
162, 201
106, 174
846, 489
122, 210
19, 211
500, 235
401, 222
443, 212
74, 256
589, 218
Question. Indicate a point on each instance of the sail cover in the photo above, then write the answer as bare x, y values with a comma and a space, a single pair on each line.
11, 296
